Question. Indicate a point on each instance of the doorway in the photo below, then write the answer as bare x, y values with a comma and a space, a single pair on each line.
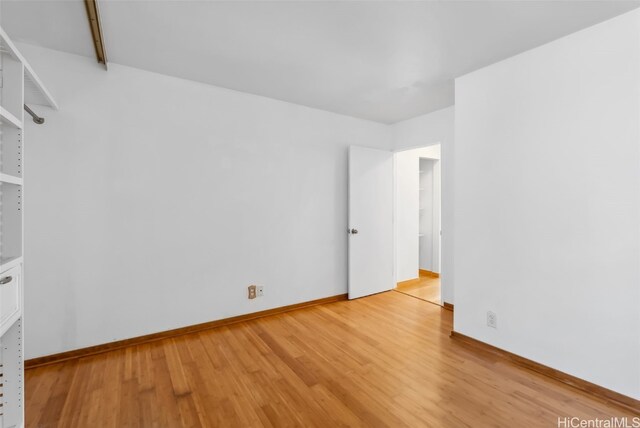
394, 221
418, 223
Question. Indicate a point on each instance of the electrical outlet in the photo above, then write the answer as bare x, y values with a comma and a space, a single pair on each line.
492, 319
252, 291
260, 290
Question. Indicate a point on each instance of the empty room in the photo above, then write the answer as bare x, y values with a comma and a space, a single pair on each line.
319, 213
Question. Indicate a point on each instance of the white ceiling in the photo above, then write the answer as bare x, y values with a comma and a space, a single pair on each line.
386, 61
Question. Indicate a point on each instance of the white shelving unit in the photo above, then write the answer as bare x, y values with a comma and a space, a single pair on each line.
9, 119
19, 85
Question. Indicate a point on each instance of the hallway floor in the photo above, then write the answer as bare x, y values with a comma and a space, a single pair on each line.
427, 287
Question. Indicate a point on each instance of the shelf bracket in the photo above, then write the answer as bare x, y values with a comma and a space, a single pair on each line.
37, 119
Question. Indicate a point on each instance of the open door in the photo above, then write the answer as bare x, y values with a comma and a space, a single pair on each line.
370, 221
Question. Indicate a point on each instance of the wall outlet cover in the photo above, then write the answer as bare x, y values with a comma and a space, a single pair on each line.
492, 319
260, 290
252, 292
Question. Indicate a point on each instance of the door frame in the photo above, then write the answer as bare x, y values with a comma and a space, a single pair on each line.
444, 277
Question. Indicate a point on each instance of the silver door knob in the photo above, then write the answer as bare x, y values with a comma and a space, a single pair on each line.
6, 280
354, 231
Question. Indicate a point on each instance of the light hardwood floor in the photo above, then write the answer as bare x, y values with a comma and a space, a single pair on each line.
425, 287
383, 360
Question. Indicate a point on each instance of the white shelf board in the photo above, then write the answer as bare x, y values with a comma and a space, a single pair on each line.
34, 91
7, 263
9, 119
10, 179
10, 322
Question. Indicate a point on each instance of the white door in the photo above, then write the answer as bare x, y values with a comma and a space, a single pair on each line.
370, 221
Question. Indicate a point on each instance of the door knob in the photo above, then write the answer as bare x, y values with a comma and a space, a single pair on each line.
354, 231
6, 280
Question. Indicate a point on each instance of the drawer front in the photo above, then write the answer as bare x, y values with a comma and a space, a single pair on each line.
10, 295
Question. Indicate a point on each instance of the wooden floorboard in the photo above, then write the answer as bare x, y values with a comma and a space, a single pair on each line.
426, 287
384, 360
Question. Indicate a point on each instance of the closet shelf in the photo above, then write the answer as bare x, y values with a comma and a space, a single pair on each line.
7, 263
34, 90
10, 321
9, 119
10, 179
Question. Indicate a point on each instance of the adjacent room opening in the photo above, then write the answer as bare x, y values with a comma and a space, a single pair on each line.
418, 225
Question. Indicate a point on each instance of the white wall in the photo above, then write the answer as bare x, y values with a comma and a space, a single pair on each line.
436, 234
406, 215
153, 202
426, 213
407, 205
429, 214
547, 198
426, 130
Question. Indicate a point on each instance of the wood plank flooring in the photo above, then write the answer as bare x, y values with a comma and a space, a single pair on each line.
425, 287
383, 360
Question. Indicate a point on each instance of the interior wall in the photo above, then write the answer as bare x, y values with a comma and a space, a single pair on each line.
426, 214
407, 209
437, 218
429, 230
547, 198
153, 202
406, 216
428, 130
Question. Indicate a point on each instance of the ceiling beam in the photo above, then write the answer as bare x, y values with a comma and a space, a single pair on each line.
96, 30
